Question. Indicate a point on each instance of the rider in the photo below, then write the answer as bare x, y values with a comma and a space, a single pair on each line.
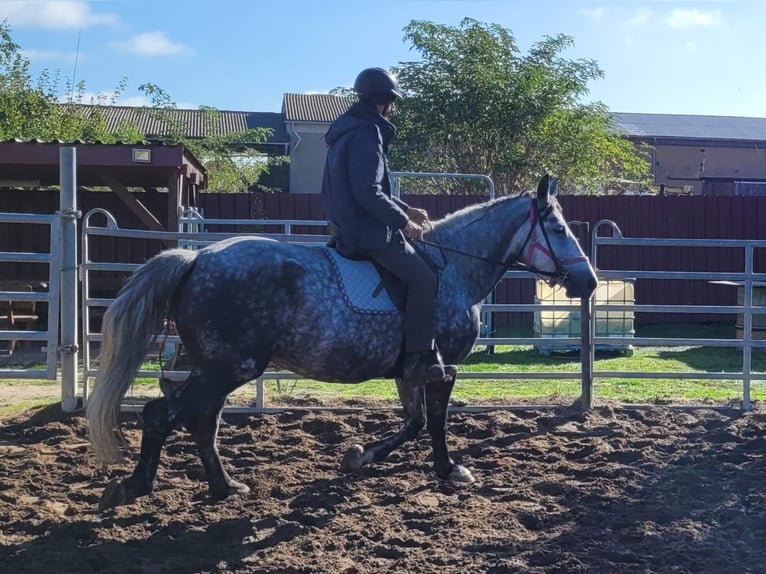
367, 221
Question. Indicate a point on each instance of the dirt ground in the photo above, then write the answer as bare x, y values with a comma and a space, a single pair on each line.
612, 490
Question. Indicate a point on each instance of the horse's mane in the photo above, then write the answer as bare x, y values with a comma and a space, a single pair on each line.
472, 213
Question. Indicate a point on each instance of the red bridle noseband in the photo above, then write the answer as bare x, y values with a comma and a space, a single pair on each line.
533, 244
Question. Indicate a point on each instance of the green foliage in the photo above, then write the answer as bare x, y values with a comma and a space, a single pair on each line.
29, 109
475, 104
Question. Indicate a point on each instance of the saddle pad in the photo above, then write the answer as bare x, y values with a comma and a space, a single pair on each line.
358, 281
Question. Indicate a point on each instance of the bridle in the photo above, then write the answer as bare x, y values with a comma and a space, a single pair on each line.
530, 246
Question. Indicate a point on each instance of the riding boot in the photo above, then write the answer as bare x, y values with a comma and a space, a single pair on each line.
422, 368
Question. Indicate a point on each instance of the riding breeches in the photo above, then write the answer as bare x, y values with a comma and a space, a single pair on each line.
401, 259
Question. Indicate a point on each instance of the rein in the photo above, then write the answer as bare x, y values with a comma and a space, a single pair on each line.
530, 245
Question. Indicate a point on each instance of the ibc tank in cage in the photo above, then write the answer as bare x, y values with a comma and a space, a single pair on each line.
561, 324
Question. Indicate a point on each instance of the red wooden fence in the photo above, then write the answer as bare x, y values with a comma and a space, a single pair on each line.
709, 217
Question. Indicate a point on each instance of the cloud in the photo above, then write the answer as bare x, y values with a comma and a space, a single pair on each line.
94, 98
140, 101
107, 98
593, 13
639, 18
49, 55
53, 14
685, 18
152, 44
137, 101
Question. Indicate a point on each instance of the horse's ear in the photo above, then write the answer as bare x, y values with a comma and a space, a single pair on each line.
553, 186
543, 188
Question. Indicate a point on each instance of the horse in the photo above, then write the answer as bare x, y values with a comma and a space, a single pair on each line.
245, 302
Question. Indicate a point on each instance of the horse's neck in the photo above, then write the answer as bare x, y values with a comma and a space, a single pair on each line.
491, 232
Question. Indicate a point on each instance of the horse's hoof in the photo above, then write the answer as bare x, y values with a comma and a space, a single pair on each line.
450, 372
353, 459
232, 487
236, 487
114, 495
461, 474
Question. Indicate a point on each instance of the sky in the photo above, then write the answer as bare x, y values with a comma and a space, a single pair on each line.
658, 56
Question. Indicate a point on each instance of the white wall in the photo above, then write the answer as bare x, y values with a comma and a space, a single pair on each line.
307, 155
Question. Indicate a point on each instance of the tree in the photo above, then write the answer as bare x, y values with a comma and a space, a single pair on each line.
30, 109
475, 104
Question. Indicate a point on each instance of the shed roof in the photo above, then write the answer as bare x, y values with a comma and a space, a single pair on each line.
194, 123
675, 126
39, 161
314, 108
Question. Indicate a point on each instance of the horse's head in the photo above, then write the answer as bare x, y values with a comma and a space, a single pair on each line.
551, 250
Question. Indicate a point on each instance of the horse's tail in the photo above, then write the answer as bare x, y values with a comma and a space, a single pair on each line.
126, 333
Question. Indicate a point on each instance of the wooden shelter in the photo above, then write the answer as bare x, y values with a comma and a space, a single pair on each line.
151, 166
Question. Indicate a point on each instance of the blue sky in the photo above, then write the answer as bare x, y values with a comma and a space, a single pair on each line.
659, 56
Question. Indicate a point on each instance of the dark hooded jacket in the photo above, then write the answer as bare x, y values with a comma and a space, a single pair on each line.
356, 190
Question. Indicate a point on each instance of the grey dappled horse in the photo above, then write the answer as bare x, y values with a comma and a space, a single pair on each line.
240, 303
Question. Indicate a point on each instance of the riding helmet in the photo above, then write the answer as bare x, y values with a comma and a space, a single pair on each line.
372, 82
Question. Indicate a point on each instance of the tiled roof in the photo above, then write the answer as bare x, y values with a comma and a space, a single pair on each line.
194, 122
325, 108
88, 144
314, 108
676, 126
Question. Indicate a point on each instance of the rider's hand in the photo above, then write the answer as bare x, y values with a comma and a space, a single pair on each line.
419, 216
412, 231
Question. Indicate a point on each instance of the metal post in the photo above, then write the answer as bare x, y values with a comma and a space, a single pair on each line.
587, 351
587, 329
747, 330
68, 216
260, 395
54, 300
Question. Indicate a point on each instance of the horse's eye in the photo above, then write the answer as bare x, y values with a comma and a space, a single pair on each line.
558, 228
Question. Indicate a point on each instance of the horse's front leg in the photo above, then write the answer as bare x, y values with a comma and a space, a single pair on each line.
437, 405
414, 420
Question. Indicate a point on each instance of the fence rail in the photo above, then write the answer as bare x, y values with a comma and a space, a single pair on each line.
587, 375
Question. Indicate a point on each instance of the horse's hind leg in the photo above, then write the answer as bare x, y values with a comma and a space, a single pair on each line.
197, 404
203, 426
414, 419
159, 420
437, 405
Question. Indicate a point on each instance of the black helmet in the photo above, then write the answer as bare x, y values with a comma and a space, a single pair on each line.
373, 82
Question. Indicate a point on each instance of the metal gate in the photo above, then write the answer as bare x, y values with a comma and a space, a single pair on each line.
587, 341
21, 291
747, 277
60, 294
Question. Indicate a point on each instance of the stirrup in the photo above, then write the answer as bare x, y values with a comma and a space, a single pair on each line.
424, 372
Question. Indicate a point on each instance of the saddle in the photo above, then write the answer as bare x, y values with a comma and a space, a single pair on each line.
368, 287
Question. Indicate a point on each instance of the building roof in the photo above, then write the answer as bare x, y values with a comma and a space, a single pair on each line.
314, 108
194, 123
325, 108
674, 126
